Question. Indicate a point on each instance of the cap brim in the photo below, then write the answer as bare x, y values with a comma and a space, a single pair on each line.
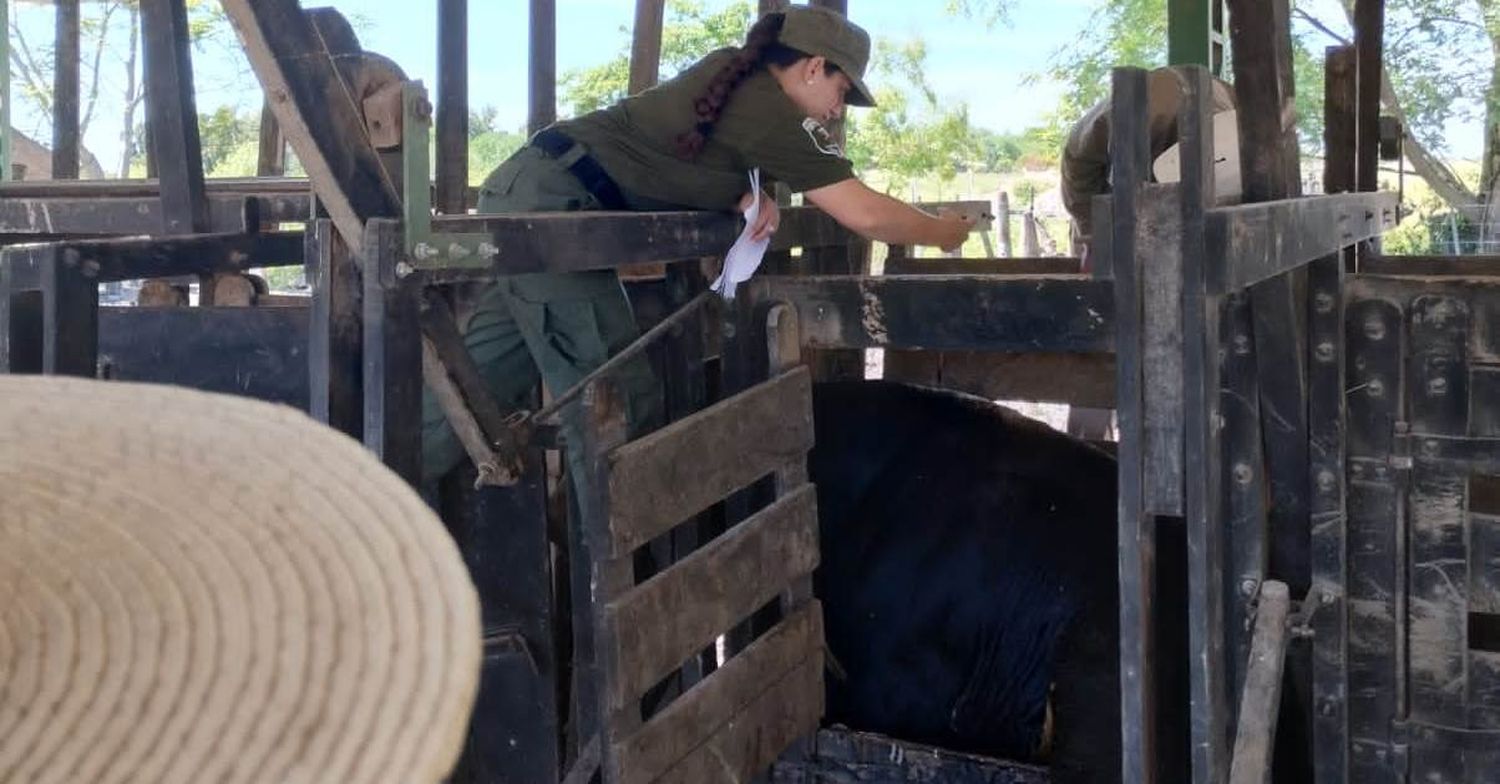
859, 94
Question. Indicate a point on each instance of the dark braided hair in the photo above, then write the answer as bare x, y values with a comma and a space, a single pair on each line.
759, 50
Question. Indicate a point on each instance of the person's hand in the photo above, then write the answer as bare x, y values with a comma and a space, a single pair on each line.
954, 230
769, 219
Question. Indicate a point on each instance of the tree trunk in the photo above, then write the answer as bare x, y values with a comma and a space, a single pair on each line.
132, 87
1489, 178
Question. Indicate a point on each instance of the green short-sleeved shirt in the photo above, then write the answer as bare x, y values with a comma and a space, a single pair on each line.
635, 141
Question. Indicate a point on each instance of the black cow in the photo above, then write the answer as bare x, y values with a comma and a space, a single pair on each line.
968, 577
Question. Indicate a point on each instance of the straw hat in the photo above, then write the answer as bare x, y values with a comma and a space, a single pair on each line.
200, 588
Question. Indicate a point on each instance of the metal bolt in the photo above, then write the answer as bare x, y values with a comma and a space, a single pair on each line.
1382, 472
1437, 386
91, 269
1325, 352
70, 257
457, 251
422, 251
1326, 481
1374, 328
403, 269
1248, 587
1243, 474
1323, 302
1242, 344
1357, 470
488, 250
1375, 388
1327, 598
1430, 448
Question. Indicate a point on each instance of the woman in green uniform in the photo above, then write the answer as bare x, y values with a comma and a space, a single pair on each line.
686, 144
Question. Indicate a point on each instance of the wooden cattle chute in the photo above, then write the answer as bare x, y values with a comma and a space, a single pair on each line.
1195, 326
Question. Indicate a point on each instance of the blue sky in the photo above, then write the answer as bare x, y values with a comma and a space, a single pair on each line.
983, 67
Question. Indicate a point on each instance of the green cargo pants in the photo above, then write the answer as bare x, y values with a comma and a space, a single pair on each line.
559, 326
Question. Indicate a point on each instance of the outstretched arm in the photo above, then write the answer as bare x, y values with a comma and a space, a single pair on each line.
879, 217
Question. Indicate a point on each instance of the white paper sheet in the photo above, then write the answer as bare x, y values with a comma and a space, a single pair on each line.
745, 255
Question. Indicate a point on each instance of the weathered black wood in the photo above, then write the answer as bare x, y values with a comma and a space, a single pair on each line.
1369, 44
136, 215
1137, 529
452, 168
1432, 266
1374, 387
70, 317
838, 754
1255, 736
20, 327
542, 71
65, 92
999, 266
1056, 313
513, 735
170, 102
129, 259
335, 343
1260, 241
1328, 512
1438, 403
316, 113
151, 187
253, 352
1244, 481
1203, 502
1263, 86
392, 343
1159, 221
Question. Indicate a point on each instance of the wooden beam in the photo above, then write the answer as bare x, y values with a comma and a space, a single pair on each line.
542, 73
174, 115
65, 88
1259, 241
270, 161
1369, 45
99, 216
1012, 314
316, 112
452, 172
129, 259
645, 49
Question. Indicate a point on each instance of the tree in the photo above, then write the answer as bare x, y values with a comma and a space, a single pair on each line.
688, 33
109, 38
909, 133
489, 145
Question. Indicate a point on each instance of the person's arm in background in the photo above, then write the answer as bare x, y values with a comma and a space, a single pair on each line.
876, 216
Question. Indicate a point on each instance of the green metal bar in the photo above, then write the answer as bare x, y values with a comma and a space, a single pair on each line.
1189, 27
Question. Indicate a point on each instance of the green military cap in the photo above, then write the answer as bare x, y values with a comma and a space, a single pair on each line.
829, 34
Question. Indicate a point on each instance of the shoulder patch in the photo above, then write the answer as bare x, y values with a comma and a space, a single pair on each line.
821, 139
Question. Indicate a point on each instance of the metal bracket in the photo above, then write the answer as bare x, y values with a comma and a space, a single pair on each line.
425, 249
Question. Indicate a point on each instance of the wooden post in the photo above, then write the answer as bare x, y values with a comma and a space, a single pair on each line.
1002, 223
392, 355
334, 340
645, 48
65, 89
174, 118
1031, 247
1260, 705
452, 172
1369, 45
271, 160
543, 68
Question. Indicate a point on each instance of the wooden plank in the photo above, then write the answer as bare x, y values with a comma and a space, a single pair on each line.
270, 159
1078, 379
1045, 265
1016, 314
1137, 528
698, 715
124, 188
1369, 45
660, 480
1260, 705
1202, 494
130, 259
170, 102
1158, 228
670, 617
1432, 266
316, 112
1260, 241
839, 754
66, 57
134, 215
392, 356
743, 749
645, 47
335, 342
542, 68
452, 168
252, 352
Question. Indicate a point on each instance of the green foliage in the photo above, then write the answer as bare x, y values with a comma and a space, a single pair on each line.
688, 33
224, 137
488, 150
911, 132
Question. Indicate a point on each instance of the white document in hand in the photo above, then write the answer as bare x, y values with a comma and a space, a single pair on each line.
745, 255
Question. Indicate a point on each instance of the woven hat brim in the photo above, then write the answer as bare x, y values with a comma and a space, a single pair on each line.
205, 588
